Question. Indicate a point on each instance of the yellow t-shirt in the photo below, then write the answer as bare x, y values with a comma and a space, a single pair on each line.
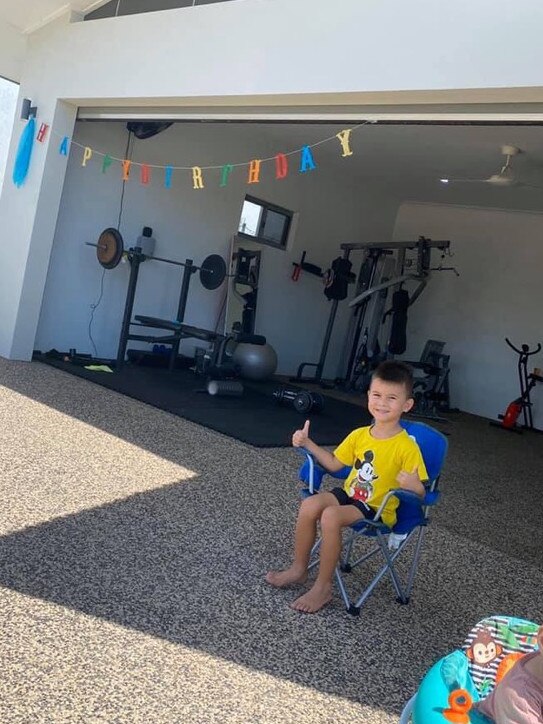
375, 465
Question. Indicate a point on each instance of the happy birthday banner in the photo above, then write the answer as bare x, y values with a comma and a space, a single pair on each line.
282, 162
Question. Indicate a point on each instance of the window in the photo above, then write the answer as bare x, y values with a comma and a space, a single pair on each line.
132, 7
264, 222
8, 100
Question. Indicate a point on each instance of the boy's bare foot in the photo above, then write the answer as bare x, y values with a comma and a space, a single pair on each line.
289, 577
313, 600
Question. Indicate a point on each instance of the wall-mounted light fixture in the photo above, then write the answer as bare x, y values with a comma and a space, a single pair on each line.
28, 110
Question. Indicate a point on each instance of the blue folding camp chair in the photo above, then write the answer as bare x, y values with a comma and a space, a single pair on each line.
411, 518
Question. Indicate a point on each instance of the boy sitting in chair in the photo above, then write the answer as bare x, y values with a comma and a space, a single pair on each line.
382, 457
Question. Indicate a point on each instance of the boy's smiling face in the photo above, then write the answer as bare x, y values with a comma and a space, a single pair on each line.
387, 401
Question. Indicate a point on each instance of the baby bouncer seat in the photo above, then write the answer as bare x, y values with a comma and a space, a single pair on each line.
468, 675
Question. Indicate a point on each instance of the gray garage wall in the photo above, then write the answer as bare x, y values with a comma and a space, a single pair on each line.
331, 209
499, 293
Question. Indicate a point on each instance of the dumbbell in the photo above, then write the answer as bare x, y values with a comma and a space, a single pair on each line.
303, 401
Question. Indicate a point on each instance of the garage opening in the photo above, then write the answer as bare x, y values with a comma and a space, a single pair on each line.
344, 243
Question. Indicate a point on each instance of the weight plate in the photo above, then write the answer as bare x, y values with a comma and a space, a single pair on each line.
318, 401
302, 402
213, 271
110, 248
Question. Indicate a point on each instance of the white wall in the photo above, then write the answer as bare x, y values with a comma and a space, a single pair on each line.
251, 51
12, 51
28, 216
189, 223
256, 47
499, 293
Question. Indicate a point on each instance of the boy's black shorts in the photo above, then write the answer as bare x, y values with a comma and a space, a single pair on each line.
343, 499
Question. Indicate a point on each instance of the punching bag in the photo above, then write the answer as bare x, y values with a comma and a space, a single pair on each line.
337, 279
398, 337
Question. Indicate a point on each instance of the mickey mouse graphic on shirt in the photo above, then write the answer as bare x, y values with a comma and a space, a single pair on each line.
361, 487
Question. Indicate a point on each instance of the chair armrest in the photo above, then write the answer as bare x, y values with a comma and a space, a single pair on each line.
404, 496
312, 473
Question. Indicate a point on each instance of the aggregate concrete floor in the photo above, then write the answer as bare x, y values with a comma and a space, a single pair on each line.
133, 546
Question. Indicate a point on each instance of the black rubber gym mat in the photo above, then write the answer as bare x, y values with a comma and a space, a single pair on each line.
254, 418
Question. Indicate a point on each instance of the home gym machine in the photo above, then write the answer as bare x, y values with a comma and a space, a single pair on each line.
384, 267
212, 272
245, 275
523, 404
375, 333
431, 382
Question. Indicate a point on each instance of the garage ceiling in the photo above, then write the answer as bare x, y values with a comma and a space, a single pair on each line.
410, 159
405, 161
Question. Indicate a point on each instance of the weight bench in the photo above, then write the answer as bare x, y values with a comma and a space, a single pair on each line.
215, 360
179, 331
110, 250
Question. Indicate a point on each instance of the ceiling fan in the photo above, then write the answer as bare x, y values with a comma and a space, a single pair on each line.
505, 176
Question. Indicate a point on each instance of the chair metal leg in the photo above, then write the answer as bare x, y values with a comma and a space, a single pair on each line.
367, 592
387, 568
402, 593
414, 563
390, 565
314, 550
342, 589
345, 562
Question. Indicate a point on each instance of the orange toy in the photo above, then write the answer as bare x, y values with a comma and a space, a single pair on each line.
459, 704
506, 664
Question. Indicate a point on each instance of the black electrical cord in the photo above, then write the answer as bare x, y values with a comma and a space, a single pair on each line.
94, 307
128, 155
221, 311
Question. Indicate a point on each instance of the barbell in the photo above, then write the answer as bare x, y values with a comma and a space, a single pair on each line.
110, 250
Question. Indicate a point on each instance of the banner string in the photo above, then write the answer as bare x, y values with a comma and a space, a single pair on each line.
210, 168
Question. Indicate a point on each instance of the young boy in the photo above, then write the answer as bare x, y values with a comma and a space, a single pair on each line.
382, 456
518, 698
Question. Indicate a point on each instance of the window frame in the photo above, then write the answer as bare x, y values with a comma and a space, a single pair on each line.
11, 129
267, 206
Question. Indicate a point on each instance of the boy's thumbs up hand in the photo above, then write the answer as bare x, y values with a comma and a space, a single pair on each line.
409, 481
300, 437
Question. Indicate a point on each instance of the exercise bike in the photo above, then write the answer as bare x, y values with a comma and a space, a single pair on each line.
523, 404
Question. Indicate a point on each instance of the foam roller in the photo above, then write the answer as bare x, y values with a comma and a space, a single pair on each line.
231, 388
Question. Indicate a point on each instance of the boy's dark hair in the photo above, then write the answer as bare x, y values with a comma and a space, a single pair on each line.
397, 372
